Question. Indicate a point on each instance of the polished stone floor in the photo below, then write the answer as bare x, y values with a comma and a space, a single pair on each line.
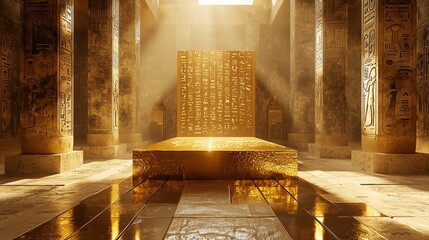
329, 200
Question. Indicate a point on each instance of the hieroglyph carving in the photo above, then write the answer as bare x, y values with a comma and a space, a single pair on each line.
65, 65
423, 70
369, 83
115, 65
319, 60
7, 68
397, 82
216, 93
47, 87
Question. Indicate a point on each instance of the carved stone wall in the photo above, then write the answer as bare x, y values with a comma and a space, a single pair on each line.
330, 92
216, 93
103, 72
46, 117
10, 50
423, 76
389, 98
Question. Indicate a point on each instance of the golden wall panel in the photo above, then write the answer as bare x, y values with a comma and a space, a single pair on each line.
216, 93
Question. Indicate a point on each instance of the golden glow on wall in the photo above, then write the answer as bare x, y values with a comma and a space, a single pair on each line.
216, 93
225, 2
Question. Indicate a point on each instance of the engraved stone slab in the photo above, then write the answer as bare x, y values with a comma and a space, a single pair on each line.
214, 158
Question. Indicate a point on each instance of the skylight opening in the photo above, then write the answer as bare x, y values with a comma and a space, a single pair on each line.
225, 2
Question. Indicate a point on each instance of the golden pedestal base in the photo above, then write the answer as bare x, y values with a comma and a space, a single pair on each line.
214, 158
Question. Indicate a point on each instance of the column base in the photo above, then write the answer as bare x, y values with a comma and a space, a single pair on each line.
329, 151
43, 164
46, 145
422, 145
103, 152
300, 141
389, 163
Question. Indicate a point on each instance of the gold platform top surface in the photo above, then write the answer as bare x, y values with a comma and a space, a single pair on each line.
214, 144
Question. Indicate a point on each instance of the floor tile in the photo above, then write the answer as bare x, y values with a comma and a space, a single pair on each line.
246, 194
212, 210
147, 228
276, 195
287, 210
360, 209
260, 210
348, 228
226, 228
305, 228
158, 210
207, 195
391, 229
58, 228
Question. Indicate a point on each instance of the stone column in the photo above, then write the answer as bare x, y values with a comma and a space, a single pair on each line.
388, 95
388, 88
129, 44
302, 73
330, 92
47, 81
103, 81
10, 43
423, 76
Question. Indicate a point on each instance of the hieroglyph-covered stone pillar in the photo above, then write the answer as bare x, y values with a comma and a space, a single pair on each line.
10, 99
302, 73
330, 91
129, 43
47, 81
103, 73
46, 118
423, 76
389, 93
388, 77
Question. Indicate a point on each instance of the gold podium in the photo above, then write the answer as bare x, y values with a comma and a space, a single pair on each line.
214, 158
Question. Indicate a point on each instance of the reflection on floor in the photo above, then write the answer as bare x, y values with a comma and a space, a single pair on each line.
324, 202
